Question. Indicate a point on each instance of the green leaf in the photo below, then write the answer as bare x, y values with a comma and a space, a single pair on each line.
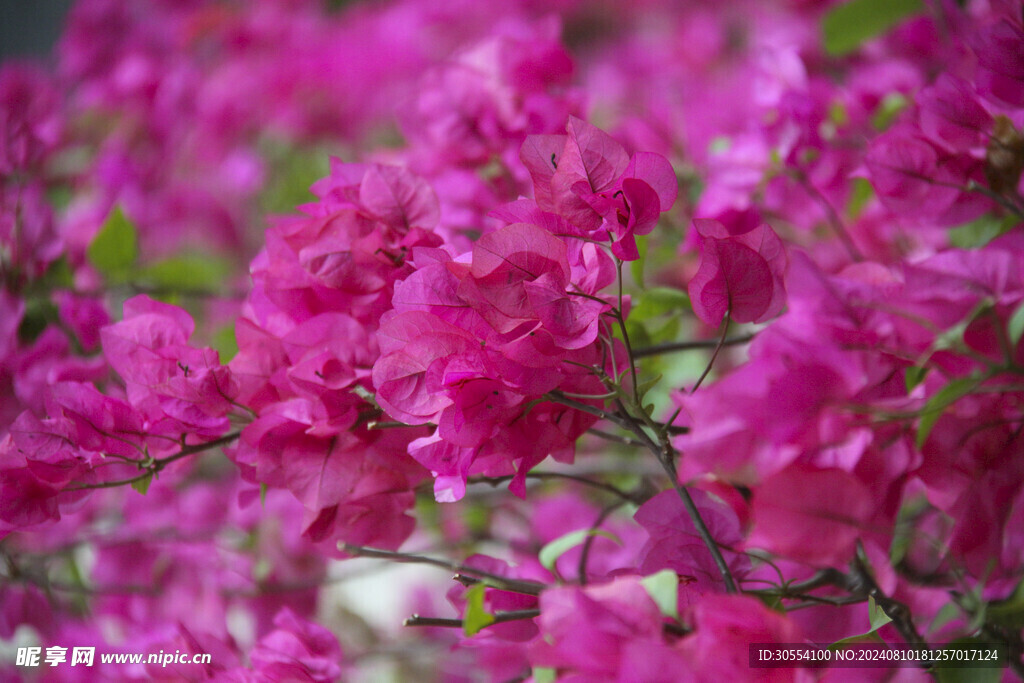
1015, 327
771, 601
860, 195
980, 231
39, 313
646, 386
59, 275
189, 272
225, 343
847, 26
663, 588
876, 617
543, 674
658, 301
262, 569
938, 403
887, 111
694, 187
946, 614
550, 553
142, 485
1009, 612
476, 616
291, 173
953, 338
636, 268
719, 145
905, 528
914, 376
837, 114
116, 246
477, 519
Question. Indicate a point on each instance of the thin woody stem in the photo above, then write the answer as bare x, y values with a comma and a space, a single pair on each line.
502, 582
625, 336
581, 570
559, 397
499, 618
666, 458
625, 440
158, 465
834, 221
714, 356
659, 349
624, 495
665, 453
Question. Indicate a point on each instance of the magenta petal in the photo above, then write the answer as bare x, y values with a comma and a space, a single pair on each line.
675, 543
592, 155
741, 274
657, 172
398, 198
809, 515
539, 154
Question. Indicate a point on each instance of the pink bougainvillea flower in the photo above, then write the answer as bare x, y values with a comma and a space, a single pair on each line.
810, 515
724, 628
354, 486
495, 600
30, 123
951, 113
741, 274
587, 178
911, 176
1000, 68
163, 373
590, 630
415, 349
25, 500
504, 262
675, 543
297, 650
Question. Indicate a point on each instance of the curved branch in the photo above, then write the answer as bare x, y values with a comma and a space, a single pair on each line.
499, 618
158, 465
659, 349
504, 583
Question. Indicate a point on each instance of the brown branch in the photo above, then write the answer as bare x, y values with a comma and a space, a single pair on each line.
158, 465
501, 582
659, 349
624, 495
718, 347
499, 618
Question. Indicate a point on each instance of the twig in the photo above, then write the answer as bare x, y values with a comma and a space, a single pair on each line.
698, 522
831, 215
158, 465
513, 585
499, 618
659, 349
559, 397
608, 436
718, 347
624, 495
581, 570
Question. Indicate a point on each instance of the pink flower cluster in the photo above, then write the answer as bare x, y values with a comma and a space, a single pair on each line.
552, 203
476, 341
308, 341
